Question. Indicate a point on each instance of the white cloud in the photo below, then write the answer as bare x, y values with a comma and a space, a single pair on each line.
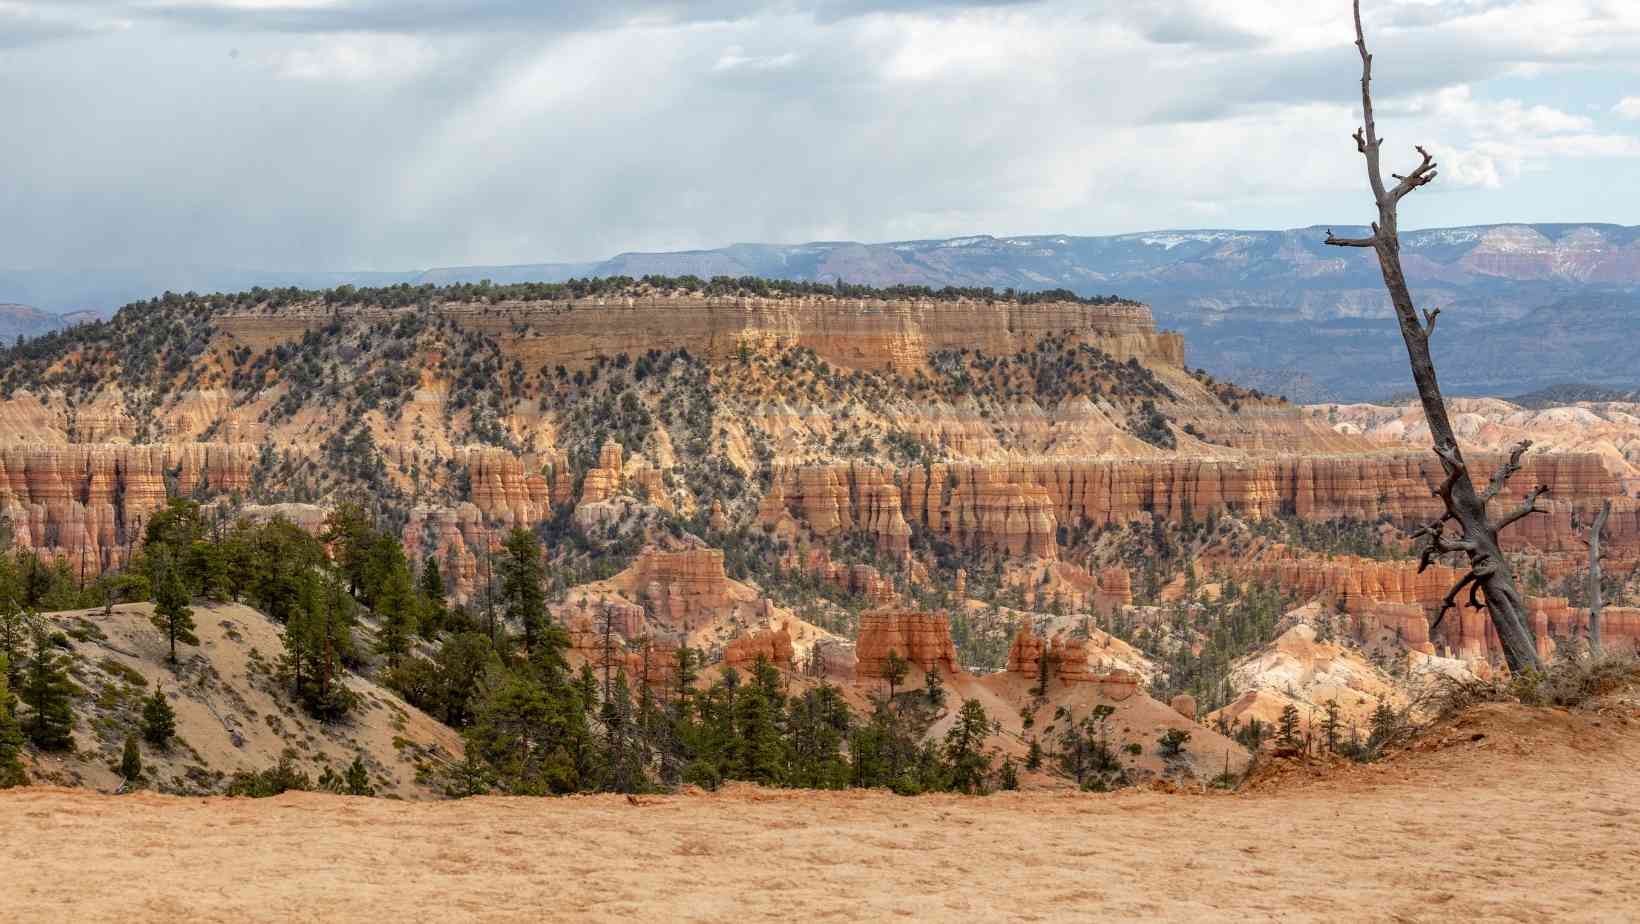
381, 133
734, 58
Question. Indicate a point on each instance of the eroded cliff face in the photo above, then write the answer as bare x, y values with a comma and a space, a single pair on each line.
1068, 661
923, 639
866, 333
1381, 602
88, 503
1608, 429
1019, 508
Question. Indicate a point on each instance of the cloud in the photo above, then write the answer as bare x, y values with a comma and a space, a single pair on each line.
333, 134
31, 24
1628, 107
734, 58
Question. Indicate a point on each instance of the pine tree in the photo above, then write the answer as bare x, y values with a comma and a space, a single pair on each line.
159, 720
435, 609
46, 691
318, 638
524, 599
1008, 775
13, 636
934, 687
131, 761
1384, 725
172, 615
622, 767
1042, 669
1033, 757
894, 671
356, 782
11, 734
759, 713
965, 748
396, 610
818, 722
1287, 734
1331, 725
531, 737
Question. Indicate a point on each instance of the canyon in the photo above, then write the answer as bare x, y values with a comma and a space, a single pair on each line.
989, 487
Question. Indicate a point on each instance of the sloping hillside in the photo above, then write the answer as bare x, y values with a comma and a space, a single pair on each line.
232, 714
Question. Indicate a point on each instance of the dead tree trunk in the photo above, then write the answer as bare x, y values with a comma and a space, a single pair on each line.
1489, 575
1595, 598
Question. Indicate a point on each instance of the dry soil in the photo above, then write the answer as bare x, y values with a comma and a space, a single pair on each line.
1510, 814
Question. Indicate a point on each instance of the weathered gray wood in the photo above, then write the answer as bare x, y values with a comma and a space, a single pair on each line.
1595, 598
1478, 535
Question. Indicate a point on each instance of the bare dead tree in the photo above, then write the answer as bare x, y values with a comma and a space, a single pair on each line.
1489, 579
1596, 602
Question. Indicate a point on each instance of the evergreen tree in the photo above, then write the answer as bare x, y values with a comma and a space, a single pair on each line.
318, 637
356, 780
1008, 775
435, 609
1384, 725
622, 767
1332, 725
524, 601
1171, 743
965, 748
758, 754
894, 671
172, 615
46, 691
348, 531
131, 760
818, 723
159, 720
1033, 757
11, 734
13, 633
395, 610
531, 739
934, 687
1287, 734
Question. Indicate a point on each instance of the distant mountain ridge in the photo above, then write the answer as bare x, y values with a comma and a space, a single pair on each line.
1274, 309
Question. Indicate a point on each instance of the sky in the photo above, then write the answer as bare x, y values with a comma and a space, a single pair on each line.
401, 134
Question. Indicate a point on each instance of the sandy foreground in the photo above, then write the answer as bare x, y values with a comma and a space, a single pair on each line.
1538, 819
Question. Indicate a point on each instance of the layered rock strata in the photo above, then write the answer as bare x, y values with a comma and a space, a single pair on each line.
923, 639
1019, 508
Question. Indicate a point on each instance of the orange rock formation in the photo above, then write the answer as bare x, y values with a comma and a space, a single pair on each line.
924, 639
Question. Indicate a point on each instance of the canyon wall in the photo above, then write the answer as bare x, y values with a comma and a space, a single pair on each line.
1019, 507
88, 503
871, 333
1392, 599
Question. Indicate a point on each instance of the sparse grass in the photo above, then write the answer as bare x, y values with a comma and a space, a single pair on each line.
121, 670
1565, 683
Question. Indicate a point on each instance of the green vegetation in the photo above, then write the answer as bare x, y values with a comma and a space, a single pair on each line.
159, 720
11, 733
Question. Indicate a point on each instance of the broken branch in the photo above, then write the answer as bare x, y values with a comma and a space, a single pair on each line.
1506, 471
1527, 507
1336, 241
1451, 599
1422, 175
